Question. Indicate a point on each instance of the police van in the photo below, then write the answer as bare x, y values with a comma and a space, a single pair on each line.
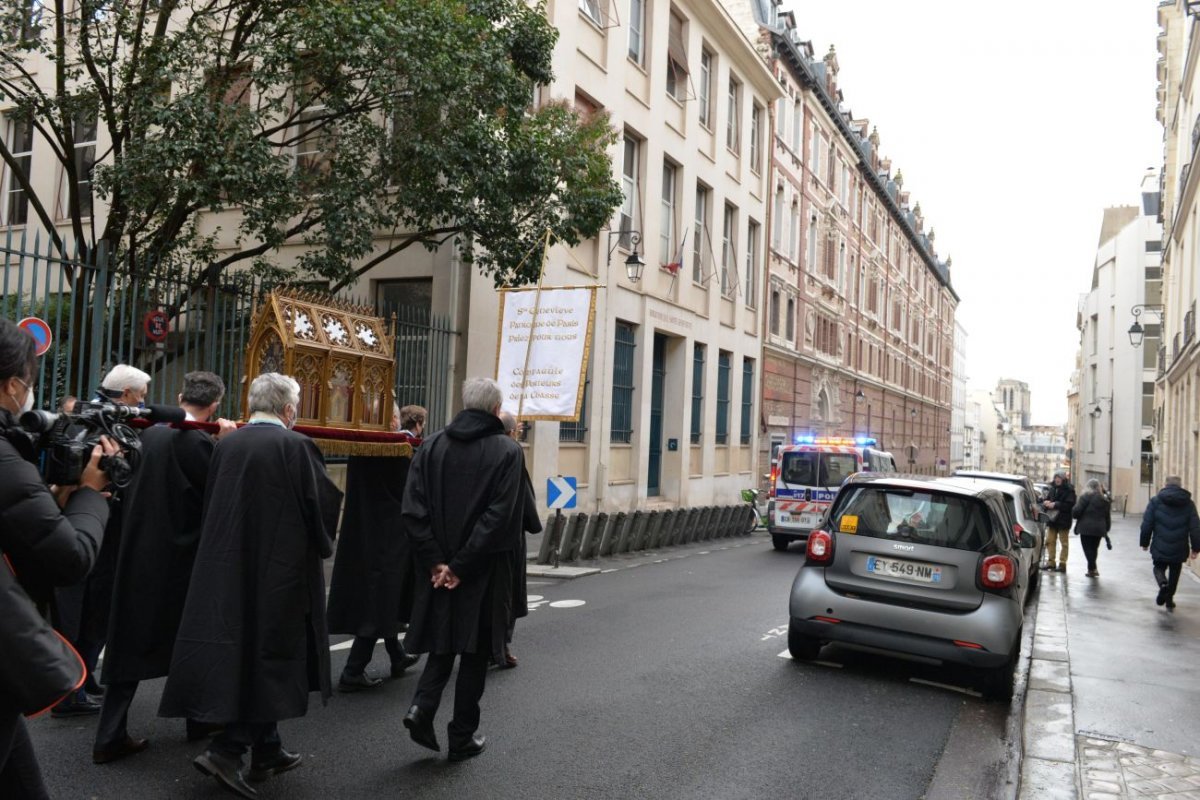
805, 478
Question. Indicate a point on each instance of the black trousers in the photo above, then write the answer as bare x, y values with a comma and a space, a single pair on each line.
261, 738
112, 728
364, 648
1091, 548
20, 775
1168, 572
468, 689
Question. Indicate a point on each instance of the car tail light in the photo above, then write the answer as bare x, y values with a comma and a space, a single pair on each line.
997, 572
819, 550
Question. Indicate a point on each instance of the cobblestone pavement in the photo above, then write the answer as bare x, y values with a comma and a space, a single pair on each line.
1111, 769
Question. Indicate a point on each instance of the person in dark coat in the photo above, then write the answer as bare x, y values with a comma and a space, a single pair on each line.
460, 506
54, 537
1060, 502
370, 593
159, 536
530, 523
81, 611
1169, 526
252, 642
1093, 515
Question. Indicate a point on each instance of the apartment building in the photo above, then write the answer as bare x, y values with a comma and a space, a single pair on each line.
671, 413
859, 335
1176, 428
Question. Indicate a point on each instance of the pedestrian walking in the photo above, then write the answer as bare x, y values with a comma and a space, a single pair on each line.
54, 536
1169, 526
252, 641
370, 592
461, 506
82, 610
1093, 515
1060, 502
159, 537
530, 523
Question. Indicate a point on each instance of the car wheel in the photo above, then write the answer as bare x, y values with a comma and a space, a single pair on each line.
1035, 580
997, 683
780, 542
801, 647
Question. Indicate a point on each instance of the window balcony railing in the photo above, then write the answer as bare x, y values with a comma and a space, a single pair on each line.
1162, 360
1189, 325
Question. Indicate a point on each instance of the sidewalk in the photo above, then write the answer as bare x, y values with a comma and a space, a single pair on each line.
1113, 706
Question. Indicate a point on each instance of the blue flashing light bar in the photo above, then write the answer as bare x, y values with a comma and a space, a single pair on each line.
841, 441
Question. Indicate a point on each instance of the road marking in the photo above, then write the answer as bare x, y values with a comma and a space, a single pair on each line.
346, 645
533, 598
568, 603
606, 571
936, 685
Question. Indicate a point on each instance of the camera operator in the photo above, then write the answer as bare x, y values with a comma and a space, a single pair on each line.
154, 563
59, 545
83, 609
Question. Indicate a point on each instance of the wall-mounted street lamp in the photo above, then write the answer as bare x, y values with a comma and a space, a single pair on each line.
633, 263
1136, 331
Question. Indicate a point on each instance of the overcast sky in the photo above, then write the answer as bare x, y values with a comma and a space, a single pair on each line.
1015, 125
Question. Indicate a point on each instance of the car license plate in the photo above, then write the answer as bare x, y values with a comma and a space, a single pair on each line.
904, 570
810, 520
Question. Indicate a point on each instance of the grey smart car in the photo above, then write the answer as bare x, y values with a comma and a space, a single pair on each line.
916, 565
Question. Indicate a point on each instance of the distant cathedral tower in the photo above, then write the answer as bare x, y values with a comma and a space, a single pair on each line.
1013, 397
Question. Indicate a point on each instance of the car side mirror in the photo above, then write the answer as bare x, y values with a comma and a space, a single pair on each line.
1024, 538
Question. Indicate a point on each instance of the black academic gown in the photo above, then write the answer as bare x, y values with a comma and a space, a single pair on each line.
252, 643
460, 504
158, 543
530, 523
370, 592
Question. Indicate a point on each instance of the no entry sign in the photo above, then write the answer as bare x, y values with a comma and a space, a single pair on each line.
40, 332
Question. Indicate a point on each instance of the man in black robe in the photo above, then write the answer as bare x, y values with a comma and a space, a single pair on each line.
154, 564
370, 593
518, 605
460, 505
252, 643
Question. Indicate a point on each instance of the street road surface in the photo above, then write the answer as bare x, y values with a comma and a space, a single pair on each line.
664, 680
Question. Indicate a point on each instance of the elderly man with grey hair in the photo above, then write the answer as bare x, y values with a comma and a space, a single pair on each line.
252, 641
1170, 527
461, 506
124, 384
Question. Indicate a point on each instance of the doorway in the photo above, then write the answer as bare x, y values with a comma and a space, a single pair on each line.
657, 379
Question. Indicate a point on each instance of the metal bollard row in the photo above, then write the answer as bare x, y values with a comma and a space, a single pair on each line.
586, 537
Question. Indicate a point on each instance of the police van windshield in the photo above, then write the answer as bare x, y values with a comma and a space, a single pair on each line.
811, 468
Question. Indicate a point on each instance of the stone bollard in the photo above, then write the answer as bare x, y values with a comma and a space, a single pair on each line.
643, 533
665, 529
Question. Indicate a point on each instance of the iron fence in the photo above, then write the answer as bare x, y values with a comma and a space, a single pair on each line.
101, 313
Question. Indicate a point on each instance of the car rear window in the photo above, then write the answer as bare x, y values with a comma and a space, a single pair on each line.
944, 520
811, 468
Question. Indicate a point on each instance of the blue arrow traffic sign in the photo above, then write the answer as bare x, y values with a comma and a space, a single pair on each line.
560, 492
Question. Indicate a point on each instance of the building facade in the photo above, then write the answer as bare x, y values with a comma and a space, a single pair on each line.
859, 326
1177, 367
958, 407
671, 410
1043, 450
1116, 402
1013, 396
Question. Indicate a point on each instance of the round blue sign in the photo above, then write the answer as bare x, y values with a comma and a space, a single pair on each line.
40, 332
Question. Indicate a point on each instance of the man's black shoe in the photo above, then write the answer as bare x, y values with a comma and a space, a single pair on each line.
468, 750
128, 747
1170, 605
354, 683
226, 771
197, 731
420, 728
1162, 596
282, 762
401, 664
75, 708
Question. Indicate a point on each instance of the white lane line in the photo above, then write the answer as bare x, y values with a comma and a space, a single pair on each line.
346, 645
568, 603
606, 571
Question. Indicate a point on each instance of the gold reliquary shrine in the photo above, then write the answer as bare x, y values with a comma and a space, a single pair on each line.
339, 353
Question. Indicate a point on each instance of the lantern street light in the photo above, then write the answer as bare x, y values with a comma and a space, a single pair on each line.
1136, 331
633, 263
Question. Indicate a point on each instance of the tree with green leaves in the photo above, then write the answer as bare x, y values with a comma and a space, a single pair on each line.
349, 130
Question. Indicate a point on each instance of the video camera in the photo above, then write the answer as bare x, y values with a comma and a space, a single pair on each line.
67, 440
